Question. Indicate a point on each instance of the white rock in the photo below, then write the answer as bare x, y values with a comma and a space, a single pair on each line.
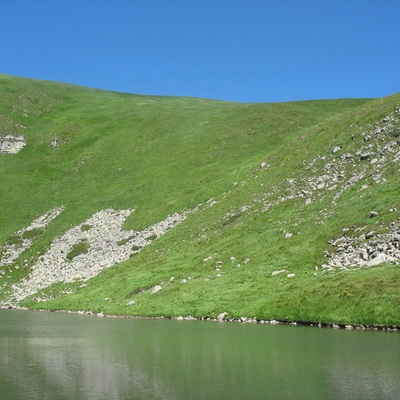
156, 289
379, 259
336, 149
278, 272
220, 317
11, 144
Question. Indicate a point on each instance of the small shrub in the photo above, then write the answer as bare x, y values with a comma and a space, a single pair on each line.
86, 227
151, 237
14, 240
79, 248
125, 241
32, 233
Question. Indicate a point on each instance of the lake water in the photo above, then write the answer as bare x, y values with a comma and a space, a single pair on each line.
64, 356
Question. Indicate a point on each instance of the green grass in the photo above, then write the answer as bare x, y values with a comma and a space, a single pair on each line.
162, 155
82, 247
32, 233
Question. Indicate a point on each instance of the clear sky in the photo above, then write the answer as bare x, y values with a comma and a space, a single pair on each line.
238, 50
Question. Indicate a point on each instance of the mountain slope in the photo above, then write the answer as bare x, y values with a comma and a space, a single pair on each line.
245, 191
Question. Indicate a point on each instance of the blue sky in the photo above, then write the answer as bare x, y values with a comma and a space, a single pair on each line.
237, 50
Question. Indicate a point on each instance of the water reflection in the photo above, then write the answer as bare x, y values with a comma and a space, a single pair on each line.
61, 356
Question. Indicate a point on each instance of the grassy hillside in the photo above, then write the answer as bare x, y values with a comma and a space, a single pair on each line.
254, 168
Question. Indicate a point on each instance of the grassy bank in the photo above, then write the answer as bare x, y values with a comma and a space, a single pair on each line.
163, 155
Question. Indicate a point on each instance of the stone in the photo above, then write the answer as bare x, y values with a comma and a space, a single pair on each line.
221, 316
131, 303
54, 142
365, 156
156, 289
12, 144
184, 280
364, 254
338, 242
336, 149
379, 259
278, 272
288, 235
290, 275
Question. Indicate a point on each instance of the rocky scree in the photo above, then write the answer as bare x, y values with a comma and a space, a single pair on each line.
366, 249
364, 162
85, 250
11, 141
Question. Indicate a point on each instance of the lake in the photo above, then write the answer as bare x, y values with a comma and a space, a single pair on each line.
54, 356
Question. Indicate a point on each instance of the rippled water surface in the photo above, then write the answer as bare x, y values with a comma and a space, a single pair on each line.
63, 356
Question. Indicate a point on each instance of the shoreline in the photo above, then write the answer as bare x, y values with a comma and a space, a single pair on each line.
222, 318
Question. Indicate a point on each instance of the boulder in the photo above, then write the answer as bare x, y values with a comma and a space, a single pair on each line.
221, 316
12, 144
379, 259
365, 156
156, 289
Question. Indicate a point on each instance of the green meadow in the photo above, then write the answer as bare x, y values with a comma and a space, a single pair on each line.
240, 162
